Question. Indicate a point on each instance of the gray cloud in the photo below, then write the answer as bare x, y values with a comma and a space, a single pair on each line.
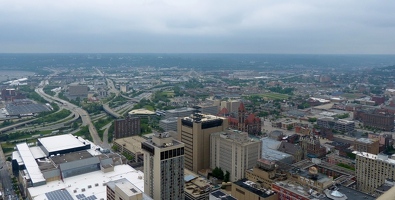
228, 26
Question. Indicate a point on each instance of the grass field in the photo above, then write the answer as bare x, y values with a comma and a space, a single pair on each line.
273, 96
352, 95
169, 94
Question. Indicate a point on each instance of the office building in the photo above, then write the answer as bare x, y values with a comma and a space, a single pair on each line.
265, 172
367, 145
197, 187
375, 118
247, 190
180, 112
219, 195
208, 107
78, 90
130, 146
169, 124
127, 127
123, 189
163, 167
339, 125
195, 132
234, 151
123, 88
373, 170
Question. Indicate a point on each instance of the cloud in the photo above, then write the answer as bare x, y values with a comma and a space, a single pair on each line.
253, 26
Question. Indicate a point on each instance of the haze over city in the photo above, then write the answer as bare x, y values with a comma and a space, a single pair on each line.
197, 100
171, 26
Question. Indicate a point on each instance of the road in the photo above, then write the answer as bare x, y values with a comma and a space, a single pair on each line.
5, 177
86, 120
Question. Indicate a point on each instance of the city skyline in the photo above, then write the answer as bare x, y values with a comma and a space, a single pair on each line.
304, 27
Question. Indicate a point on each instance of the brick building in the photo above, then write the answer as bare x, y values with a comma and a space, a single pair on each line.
375, 118
127, 127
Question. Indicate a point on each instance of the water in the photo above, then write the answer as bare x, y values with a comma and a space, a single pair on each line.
12, 75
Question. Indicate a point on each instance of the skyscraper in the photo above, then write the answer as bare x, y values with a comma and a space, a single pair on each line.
163, 167
195, 132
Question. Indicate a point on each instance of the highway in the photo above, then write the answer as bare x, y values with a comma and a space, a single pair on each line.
86, 120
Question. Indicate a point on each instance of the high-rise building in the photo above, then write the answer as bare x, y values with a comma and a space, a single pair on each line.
127, 127
195, 132
235, 152
373, 170
163, 167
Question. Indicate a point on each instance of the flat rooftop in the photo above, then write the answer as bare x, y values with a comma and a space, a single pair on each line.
270, 152
60, 142
132, 144
25, 107
126, 186
90, 184
141, 111
69, 157
375, 157
31, 165
252, 187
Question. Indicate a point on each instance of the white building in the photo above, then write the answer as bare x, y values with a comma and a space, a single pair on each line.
234, 151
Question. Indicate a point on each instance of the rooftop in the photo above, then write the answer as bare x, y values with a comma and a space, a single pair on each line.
180, 110
365, 140
221, 195
133, 143
270, 152
254, 188
30, 163
69, 157
195, 185
141, 111
375, 157
126, 186
61, 142
89, 184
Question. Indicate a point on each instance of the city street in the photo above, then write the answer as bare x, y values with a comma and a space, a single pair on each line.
6, 178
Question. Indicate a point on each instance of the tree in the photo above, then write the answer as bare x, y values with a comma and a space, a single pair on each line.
218, 173
9, 159
226, 177
290, 127
312, 119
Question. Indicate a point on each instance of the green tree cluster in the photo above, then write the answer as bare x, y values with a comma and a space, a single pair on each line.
281, 90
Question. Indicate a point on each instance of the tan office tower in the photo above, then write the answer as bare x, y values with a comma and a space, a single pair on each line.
195, 132
163, 167
235, 152
373, 170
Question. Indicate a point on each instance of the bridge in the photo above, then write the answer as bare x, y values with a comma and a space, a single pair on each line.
108, 110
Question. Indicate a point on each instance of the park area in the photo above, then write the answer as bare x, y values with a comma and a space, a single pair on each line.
273, 96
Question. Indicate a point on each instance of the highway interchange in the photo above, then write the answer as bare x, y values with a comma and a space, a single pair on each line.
76, 112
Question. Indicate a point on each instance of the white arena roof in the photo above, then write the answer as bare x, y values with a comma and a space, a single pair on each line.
89, 184
60, 142
30, 163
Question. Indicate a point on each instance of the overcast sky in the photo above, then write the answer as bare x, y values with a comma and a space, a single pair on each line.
197, 26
